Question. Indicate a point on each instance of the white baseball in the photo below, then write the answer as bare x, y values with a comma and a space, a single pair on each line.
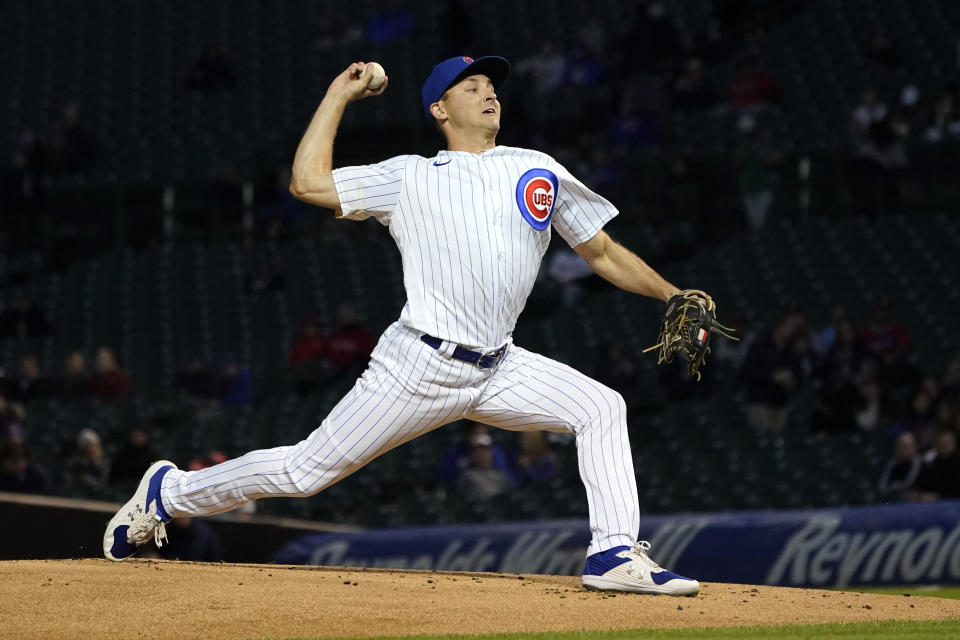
378, 75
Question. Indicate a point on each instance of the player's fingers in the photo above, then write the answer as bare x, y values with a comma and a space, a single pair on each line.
356, 69
380, 89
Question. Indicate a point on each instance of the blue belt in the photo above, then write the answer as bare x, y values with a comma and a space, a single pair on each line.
482, 360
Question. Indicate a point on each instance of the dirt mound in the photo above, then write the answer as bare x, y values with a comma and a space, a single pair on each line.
149, 598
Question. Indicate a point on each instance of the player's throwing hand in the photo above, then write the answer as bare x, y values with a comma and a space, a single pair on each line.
354, 82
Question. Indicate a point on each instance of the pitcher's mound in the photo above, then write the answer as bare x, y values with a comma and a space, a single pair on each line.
148, 598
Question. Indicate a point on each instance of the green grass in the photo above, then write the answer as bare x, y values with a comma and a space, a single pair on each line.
939, 629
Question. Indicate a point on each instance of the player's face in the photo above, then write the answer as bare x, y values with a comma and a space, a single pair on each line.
472, 104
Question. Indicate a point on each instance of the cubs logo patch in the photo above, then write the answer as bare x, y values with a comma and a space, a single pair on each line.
536, 197
468, 59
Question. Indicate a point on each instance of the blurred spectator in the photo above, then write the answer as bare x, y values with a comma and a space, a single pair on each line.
754, 86
309, 368
192, 540
209, 460
571, 272
349, 345
920, 415
940, 475
691, 90
730, 353
535, 462
11, 421
901, 471
838, 377
18, 472
480, 479
265, 276
868, 111
908, 113
635, 127
868, 117
951, 378
944, 119
544, 70
391, 22
771, 372
879, 49
593, 34
889, 342
32, 384
309, 346
583, 68
24, 318
827, 336
877, 141
75, 382
212, 71
457, 457
236, 382
72, 147
87, 467
135, 455
197, 378
884, 334
336, 27
109, 382
22, 188
758, 162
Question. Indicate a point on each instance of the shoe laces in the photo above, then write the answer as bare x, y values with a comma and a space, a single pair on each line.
143, 524
639, 551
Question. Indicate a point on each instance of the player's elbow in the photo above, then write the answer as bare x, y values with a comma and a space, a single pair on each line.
298, 189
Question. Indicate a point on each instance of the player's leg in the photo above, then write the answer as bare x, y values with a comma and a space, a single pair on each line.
407, 390
530, 391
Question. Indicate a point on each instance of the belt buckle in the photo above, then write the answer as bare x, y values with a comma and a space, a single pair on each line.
496, 354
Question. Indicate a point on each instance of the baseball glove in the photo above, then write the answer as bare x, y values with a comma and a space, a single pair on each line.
690, 318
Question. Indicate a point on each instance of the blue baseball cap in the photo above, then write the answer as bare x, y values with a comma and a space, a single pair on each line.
453, 70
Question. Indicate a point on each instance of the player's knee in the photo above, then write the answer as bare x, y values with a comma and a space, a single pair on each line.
610, 409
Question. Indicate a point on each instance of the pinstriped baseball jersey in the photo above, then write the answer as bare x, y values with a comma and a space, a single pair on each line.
472, 230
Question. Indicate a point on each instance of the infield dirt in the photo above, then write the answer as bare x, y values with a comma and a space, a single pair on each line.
151, 598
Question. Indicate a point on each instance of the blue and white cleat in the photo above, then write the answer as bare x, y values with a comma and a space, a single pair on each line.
139, 519
631, 569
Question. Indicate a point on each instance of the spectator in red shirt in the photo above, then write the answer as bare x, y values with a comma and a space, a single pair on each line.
309, 346
888, 341
884, 335
350, 343
110, 382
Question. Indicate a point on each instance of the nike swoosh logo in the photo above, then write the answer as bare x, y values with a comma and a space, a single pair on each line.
440, 164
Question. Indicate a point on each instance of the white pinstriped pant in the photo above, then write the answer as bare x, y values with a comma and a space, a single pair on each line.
409, 389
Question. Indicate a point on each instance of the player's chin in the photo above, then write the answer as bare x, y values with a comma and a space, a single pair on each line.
492, 123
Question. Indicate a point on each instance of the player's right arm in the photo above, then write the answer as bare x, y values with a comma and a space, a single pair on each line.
312, 179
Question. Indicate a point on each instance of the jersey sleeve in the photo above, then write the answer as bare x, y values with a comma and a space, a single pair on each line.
370, 189
579, 213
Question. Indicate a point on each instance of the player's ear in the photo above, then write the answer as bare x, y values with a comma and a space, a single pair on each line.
438, 112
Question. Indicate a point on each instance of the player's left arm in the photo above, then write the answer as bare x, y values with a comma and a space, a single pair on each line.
617, 264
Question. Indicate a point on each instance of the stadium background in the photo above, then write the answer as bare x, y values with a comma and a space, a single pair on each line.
144, 209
